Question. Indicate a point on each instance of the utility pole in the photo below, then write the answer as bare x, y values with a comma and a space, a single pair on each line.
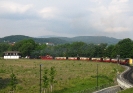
118, 58
97, 76
40, 79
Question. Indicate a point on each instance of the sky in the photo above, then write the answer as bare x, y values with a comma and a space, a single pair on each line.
67, 18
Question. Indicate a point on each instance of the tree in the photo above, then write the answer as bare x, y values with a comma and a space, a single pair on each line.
108, 51
3, 47
52, 76
100, 49
91, 50
13, 82
124, 48
25, 46
45, 80
77, 48
115, 51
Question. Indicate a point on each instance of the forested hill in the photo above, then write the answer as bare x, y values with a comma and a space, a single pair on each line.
62, 40
92, 39
16, 38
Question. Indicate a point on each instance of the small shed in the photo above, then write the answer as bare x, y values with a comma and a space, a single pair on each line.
11, 55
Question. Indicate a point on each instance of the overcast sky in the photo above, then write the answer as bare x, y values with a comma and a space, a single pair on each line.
69, 18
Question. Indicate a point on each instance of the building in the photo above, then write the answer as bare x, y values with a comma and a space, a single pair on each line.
50, 44
12, 55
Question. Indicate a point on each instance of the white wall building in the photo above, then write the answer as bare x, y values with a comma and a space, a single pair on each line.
12, 55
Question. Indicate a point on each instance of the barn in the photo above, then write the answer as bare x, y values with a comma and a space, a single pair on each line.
11, 55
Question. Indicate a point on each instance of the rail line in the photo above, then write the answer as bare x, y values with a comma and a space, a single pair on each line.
128, 75
125, 81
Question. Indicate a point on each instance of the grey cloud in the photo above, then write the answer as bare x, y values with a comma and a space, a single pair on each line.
69, 18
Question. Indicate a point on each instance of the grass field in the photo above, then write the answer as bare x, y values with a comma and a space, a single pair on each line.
130, 90
71, 76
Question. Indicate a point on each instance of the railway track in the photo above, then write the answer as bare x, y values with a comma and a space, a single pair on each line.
125, 80
129, 75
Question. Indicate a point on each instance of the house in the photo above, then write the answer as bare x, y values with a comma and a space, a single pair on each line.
50, 44
12, 55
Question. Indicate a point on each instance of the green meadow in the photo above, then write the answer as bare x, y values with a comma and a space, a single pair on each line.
130, 90
72, 76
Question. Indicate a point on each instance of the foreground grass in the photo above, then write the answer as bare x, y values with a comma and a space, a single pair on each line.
72, 76
130, 90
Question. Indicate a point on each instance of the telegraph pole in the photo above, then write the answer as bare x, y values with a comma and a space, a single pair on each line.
40, 79
118, 58
97, 76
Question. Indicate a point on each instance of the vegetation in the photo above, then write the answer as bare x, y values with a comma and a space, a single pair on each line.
13, 82
92, 39
45, 80
14, 38
52, 77
48, 79
62, 40
130, 90
17, 38
29, 47
71, 76
3, 47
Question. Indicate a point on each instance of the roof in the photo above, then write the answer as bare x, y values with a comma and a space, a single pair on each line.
12, 52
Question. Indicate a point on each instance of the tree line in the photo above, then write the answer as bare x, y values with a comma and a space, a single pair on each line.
29, 47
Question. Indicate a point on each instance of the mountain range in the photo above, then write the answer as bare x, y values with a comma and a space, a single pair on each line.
62, 40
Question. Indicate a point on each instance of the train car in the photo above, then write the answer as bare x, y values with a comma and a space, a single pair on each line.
60, 58
96, 59
122, 62
72, 58
47, 57
128, 61
114, 60
106, 59
84, 58
93, 59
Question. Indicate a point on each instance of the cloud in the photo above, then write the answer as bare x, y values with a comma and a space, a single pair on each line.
67, 17
117, 29
111, 17
49, 12
11, 7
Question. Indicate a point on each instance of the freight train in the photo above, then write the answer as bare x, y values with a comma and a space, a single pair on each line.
126, 61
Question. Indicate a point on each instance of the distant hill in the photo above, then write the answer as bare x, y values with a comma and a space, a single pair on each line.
16, 38
92, 39
63, 40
